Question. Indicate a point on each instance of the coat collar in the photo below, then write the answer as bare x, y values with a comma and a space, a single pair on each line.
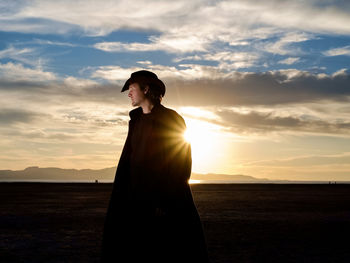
136, 113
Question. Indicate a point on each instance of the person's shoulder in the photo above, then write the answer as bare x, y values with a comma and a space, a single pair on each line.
171, 112
173, 116
135, 112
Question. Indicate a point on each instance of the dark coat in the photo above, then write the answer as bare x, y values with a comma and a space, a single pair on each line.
156, 220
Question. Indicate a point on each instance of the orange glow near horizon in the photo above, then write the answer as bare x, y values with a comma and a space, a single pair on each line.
193, 181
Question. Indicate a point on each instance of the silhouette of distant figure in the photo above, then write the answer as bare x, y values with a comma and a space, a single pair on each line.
151, 214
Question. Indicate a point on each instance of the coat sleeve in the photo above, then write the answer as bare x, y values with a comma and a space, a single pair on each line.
122, 172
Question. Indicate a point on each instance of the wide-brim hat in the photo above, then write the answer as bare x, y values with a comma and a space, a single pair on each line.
145, 77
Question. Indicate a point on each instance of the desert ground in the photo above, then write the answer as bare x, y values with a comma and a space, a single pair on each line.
63, 222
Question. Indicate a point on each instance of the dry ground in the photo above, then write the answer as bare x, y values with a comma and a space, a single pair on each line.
43, 222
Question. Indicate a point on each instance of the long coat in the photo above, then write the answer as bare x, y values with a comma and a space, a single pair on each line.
157, 219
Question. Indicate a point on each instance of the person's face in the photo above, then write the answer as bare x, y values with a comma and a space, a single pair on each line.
136, 95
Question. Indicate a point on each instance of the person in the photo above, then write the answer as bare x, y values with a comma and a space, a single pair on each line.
151, 215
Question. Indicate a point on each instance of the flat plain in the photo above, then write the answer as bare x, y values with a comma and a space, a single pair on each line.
63, 222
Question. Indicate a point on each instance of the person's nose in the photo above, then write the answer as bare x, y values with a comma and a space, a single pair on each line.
129, 93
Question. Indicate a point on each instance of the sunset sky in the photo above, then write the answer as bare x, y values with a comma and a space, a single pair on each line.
264, 84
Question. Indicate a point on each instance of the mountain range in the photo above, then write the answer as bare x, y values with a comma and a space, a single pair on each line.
35, 173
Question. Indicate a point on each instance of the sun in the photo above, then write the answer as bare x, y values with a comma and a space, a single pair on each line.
189, 135
204, 139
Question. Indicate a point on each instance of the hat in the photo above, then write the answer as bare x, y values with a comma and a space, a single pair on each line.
145, 77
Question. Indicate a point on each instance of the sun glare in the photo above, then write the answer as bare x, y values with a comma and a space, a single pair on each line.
189, 135
204, 139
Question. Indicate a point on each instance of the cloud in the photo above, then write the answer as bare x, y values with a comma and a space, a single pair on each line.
14, 22
183, 26
79, 83
200, 85
83, 117
168, 14
23, 55
39, 134
52, 43
227, 60
185, 71
230, 56
187, 85
289, 61
266, 88
86, 123
305, 16
144, 62
341, 73
181, 42
284, 44
21, 84
307, 161
121, 47
94, 19
9, 116
268, 122
17, 72
171, 44
341, 51
14, 53
112, 73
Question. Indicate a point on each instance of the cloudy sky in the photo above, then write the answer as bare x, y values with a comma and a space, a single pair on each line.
266, 83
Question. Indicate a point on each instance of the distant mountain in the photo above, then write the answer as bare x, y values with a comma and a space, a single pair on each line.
34, 173
211, 177
57, 174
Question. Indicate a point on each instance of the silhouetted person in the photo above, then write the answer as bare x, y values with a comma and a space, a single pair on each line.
151, 214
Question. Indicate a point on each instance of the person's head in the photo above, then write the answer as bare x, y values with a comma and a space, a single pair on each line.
144, 85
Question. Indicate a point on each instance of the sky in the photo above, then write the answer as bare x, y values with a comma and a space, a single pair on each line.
263, 86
